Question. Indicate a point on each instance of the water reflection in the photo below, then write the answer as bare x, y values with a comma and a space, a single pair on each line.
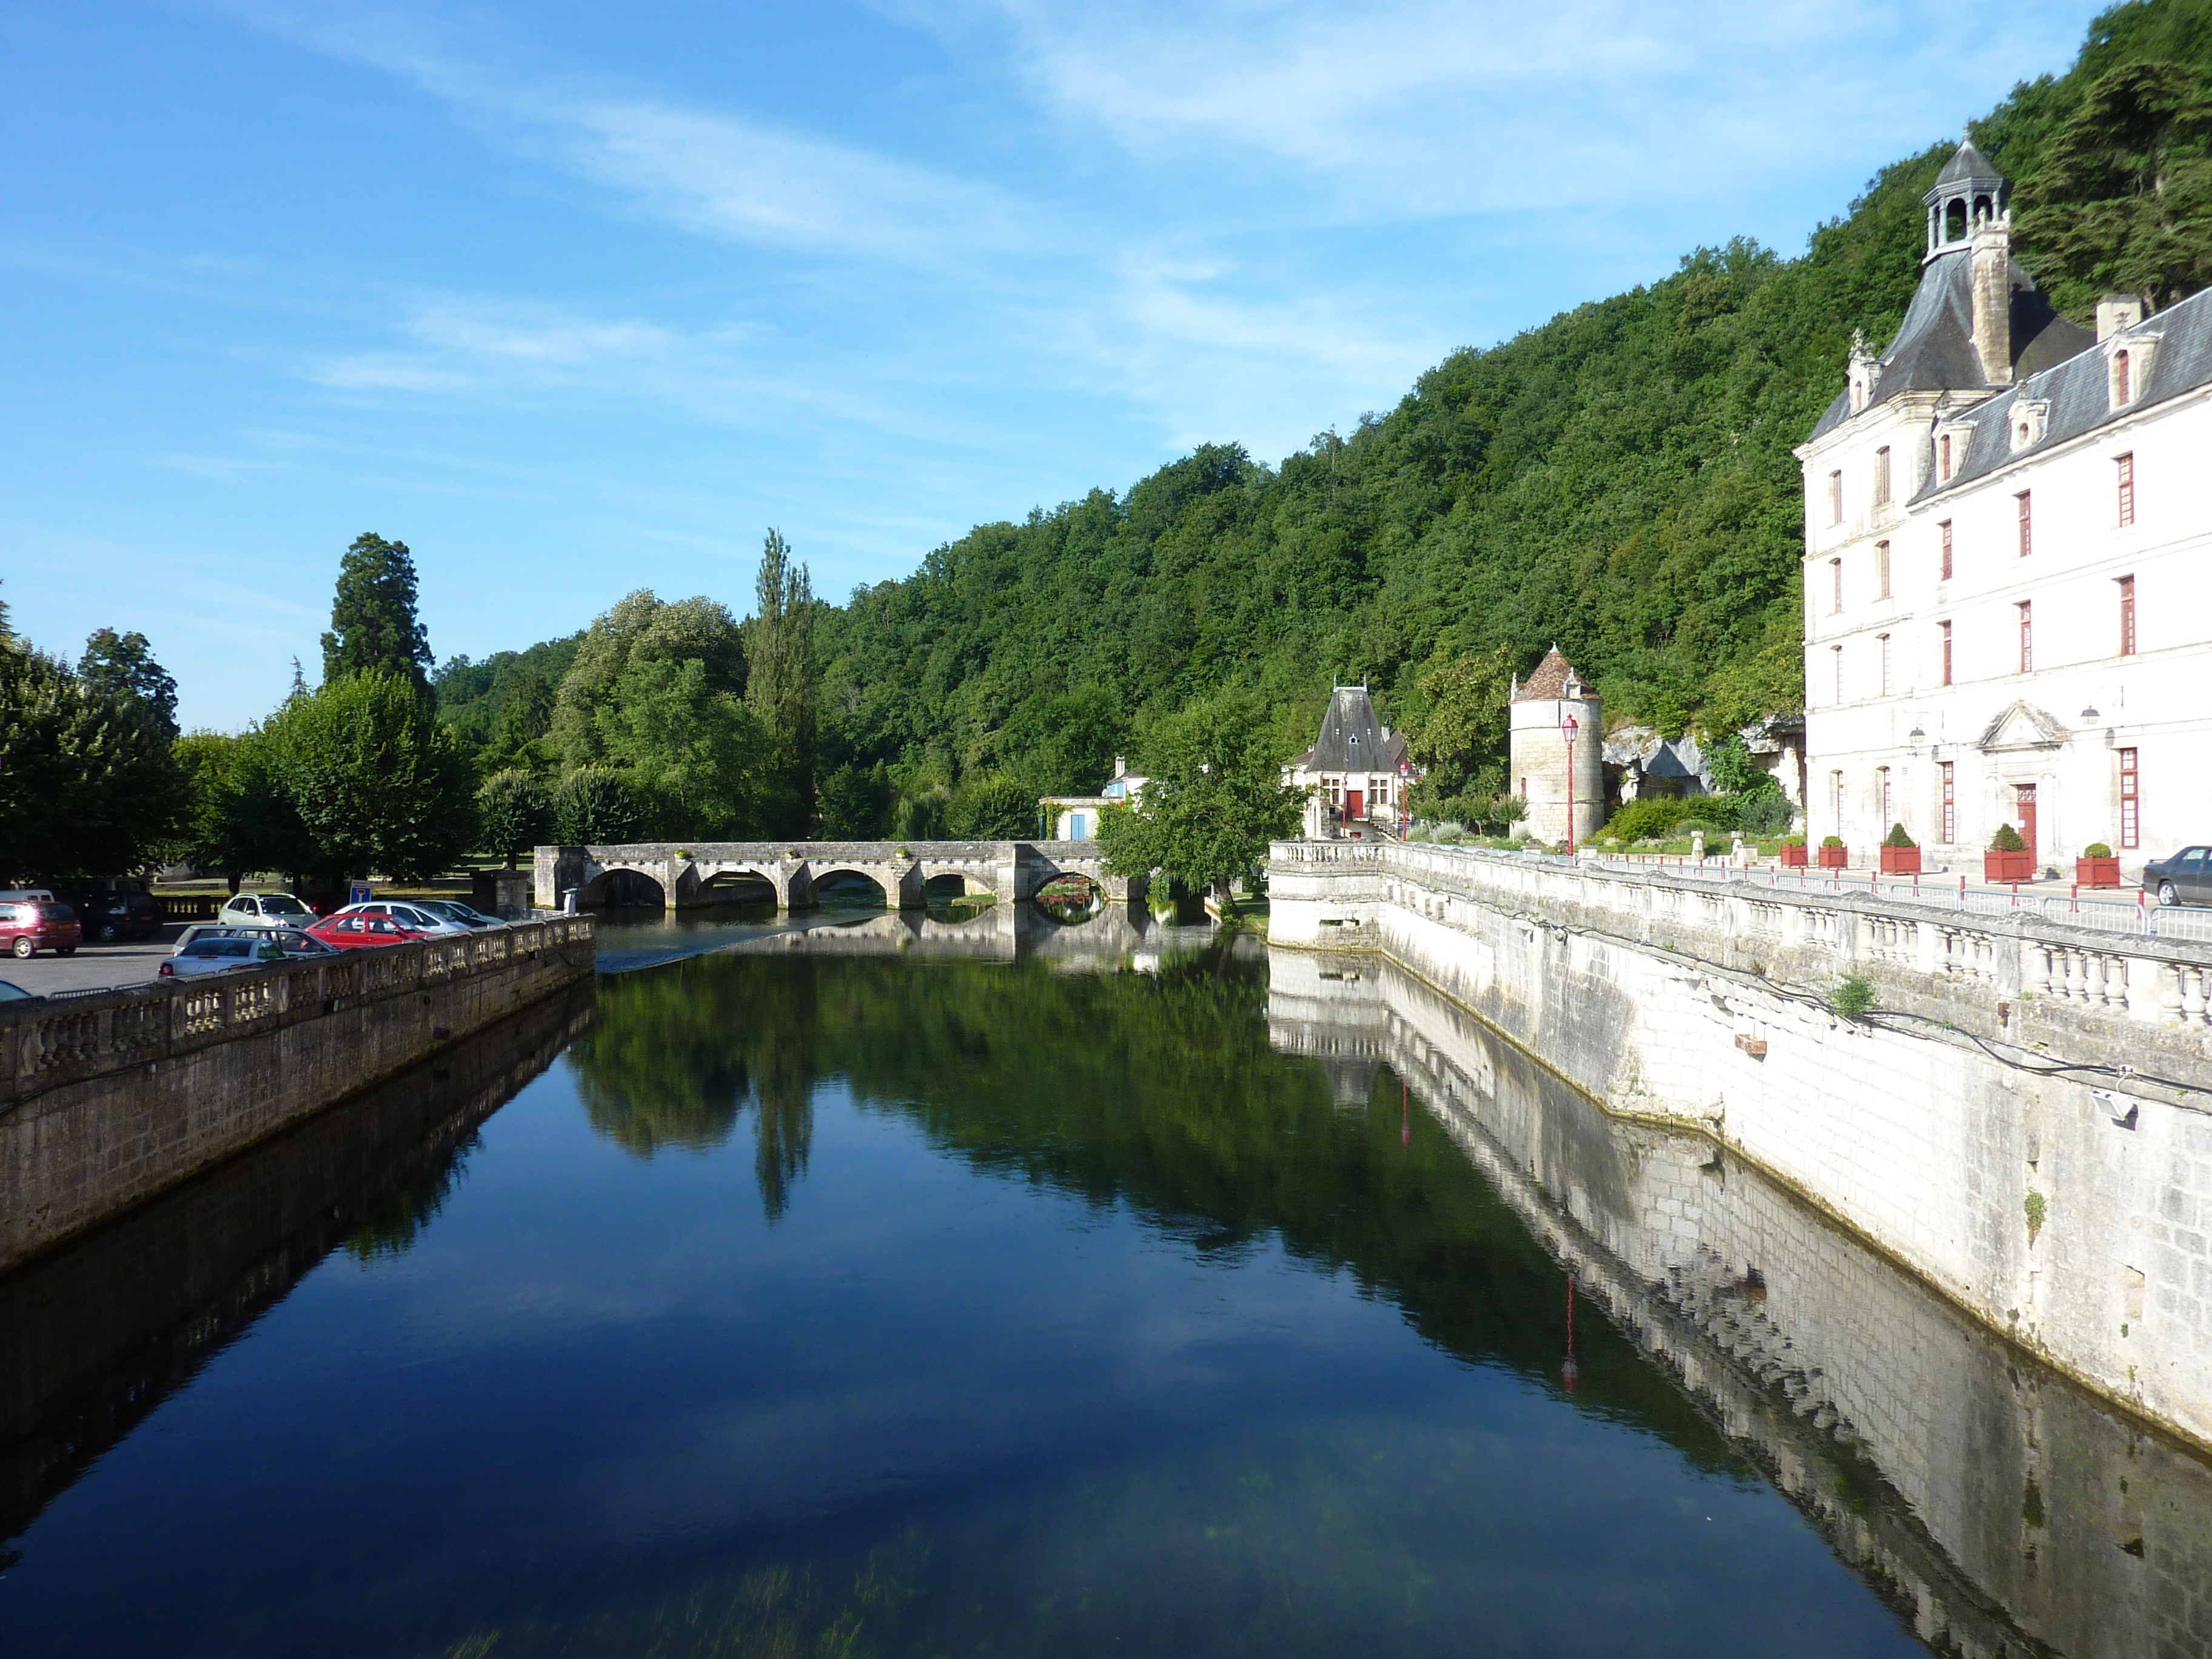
96, 1336
856, 1288
2003, 1509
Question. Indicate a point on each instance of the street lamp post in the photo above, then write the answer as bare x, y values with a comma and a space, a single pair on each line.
1568, 727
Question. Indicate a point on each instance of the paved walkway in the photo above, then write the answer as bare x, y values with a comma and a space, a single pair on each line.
93, 966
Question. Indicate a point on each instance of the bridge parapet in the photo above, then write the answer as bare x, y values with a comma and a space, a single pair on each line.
687, 874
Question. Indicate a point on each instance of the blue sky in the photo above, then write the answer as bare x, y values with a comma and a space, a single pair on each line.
575, 299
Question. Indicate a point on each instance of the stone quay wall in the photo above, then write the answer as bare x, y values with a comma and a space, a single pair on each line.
2000, 1509
2024, 1119
107, 1101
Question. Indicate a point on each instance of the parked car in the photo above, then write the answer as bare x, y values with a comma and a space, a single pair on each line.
416, 918
30, 926
262, 911
10, 991
351, 930
221, 954
2183, 878
112, 907
454, 910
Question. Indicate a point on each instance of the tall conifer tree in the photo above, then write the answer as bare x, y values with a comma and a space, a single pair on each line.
373, 629
780, 678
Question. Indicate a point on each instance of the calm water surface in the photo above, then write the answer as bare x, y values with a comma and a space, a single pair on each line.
814, 1303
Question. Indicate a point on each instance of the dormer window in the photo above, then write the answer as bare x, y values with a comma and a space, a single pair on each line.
2027, 423
2123, 389
1943, 457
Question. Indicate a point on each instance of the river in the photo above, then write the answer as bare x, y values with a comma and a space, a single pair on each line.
896, 1285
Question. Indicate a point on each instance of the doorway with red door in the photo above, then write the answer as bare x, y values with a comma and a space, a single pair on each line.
2023, 796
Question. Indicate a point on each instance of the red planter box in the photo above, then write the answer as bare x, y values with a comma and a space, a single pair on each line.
1792, 858
1900, 860
2009, 866
2097, 872
1835, 858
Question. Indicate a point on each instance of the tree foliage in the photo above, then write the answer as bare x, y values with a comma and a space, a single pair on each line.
380, 785
1214, 798
373, 627
780, 690
514, 812
88, 783
593, 806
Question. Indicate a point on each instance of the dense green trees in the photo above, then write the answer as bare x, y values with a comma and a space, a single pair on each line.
781, 688
1213, 800
380, 785
89, 784
514, 812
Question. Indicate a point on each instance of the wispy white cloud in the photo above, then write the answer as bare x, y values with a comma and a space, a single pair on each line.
1428, 106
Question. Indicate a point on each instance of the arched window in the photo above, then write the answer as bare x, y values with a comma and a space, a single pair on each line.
2121, 391
1943, 444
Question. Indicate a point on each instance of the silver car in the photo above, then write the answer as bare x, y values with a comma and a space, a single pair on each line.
222, 954
454, 910
262, 911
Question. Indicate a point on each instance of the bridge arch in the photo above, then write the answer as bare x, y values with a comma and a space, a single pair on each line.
739, 884
848, 882
621, 884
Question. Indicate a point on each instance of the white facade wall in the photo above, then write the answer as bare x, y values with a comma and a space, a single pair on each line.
2153, 701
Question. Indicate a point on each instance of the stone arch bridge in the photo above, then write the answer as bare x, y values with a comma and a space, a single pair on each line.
692, 874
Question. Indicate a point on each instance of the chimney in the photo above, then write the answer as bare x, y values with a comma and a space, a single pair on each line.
2116, 313
1992, 285
1121, 767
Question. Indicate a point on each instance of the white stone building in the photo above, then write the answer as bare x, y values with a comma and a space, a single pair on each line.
2009, 602
1075, 817
1548, 768
1358, 770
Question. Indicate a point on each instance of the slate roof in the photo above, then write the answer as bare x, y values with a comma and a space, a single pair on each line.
2078, 394
1549, 682
1351, 737
1966, 165
1934, 350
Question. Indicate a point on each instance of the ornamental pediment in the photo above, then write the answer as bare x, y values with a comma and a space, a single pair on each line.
2022, 726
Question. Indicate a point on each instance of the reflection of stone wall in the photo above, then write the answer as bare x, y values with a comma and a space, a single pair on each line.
2004, 1509
100, 1332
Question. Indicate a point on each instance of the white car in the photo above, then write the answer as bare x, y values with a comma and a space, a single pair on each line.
413, 917
262, 911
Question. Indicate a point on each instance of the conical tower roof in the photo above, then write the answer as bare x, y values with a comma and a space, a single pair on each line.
1550, 681
1967, 166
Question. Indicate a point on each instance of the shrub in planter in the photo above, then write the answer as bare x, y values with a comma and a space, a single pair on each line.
2008, 858
1834, 855
1793, 851
2097, 866
1900, 853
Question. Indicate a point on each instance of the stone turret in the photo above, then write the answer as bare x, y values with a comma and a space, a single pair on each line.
1544, 758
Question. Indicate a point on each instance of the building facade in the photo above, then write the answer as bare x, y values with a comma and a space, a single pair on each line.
1075, 817
1358, 770
2007, 519
1558, 769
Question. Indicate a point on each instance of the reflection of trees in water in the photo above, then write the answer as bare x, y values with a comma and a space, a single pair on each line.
679, 1063
1158, 1092
393, 1226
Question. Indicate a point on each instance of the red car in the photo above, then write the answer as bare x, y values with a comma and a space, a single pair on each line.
30, 926
351, 931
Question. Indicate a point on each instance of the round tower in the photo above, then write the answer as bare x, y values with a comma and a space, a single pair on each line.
1549, 765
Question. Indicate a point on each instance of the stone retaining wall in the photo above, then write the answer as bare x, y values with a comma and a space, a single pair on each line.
1979, 1126
105, 1101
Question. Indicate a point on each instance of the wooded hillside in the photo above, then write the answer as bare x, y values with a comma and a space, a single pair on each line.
1618, 480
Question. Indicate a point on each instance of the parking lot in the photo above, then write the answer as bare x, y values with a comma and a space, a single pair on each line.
95, 965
